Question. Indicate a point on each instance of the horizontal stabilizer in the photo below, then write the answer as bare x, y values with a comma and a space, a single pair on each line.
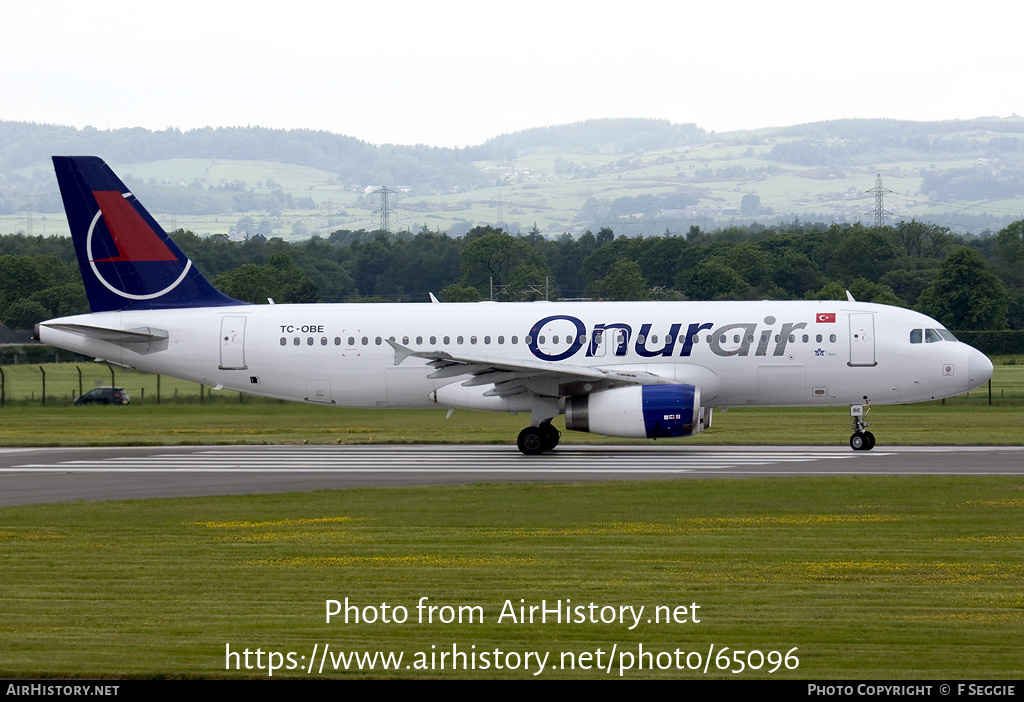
139, 339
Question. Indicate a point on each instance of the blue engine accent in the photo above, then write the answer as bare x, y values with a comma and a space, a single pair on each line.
668, 410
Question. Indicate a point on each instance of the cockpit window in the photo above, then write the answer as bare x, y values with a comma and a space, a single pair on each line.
947, 335
931, 336
915, 336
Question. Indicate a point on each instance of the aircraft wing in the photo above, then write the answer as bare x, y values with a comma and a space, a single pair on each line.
515, 376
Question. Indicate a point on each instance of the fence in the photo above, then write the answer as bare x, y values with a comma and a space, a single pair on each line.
58, 384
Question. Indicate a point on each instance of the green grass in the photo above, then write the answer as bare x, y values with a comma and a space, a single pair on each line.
871, 577
270, 422
868, 577
228, 417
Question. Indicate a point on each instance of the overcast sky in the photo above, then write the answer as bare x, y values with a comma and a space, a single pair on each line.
457, 73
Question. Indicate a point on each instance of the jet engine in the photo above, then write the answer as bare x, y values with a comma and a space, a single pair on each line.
639, 412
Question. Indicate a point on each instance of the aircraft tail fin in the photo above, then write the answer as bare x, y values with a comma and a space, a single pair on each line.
127, 259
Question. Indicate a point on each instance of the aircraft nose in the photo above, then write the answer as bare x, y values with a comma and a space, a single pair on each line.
979, 368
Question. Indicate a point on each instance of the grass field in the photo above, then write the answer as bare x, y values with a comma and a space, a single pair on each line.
228, 417
826, 578
875, 578
270, 422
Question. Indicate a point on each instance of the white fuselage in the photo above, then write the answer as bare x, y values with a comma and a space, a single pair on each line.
737, 353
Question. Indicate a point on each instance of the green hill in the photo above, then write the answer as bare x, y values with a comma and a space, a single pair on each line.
637, 176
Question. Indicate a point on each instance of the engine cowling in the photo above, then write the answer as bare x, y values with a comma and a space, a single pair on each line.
457, 396
639, 412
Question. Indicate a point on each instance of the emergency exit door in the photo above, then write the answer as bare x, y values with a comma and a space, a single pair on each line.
232, 343
862, 339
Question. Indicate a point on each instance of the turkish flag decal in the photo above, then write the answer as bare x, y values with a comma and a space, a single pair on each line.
825, 317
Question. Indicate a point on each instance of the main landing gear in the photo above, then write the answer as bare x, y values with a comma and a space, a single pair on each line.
862, 440
534, 441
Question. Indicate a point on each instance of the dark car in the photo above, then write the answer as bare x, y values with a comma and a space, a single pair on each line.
104, 396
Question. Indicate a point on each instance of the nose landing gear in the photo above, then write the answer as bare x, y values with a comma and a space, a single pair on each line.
862, 440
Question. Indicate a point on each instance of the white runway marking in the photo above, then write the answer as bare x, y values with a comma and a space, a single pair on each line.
62, 474
382, 460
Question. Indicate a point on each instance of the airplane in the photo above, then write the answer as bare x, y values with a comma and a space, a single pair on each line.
624, 369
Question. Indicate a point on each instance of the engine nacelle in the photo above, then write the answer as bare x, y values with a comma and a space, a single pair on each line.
638, 412
457, 396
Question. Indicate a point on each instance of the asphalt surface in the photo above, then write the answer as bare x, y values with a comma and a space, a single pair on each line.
39, 475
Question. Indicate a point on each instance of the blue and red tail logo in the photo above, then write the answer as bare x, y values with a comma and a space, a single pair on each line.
127, 260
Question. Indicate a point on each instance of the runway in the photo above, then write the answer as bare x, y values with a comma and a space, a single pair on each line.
37, 475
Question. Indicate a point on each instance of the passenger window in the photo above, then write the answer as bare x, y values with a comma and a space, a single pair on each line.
284, 342
447, 340
337, 341
915, 336
472, 340
309, 341
295, 341
405, 341
528, 339
832, 338
806, 338
377, 341
419, 340
501, 339
817, 339
458, 340
365, 341
323, 341
433, 340
487, 340
351, 341
515, 339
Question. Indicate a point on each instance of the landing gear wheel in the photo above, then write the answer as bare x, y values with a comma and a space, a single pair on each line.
862, 441
550, 435
531, 441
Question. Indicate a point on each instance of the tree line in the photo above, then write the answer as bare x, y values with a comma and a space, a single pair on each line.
966, 282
